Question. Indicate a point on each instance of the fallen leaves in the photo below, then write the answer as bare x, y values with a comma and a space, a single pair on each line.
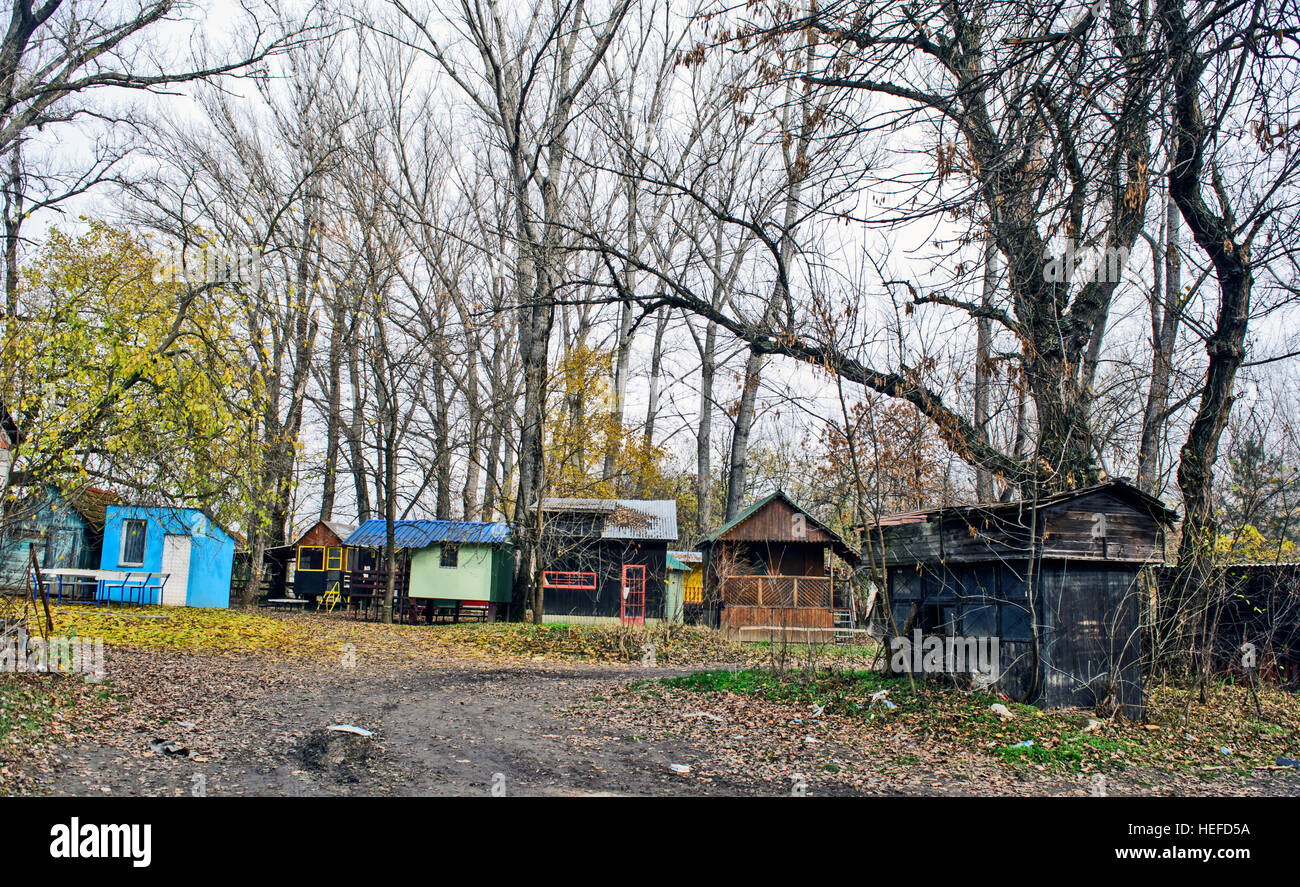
309, 636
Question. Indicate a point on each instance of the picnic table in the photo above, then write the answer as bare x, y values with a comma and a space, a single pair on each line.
285, 603
96, 586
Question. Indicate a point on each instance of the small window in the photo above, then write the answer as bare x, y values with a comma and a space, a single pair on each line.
906, 584
980, 621
569, 580
334, 559
133, 536
450, 555
1017, 624
311, 559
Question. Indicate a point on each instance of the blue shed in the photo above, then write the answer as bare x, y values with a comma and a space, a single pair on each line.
195, 553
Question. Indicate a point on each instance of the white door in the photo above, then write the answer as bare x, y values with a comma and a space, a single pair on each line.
176, 563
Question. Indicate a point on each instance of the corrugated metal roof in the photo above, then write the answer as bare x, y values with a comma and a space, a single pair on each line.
654, 519
642, 519
688, 557
422, 533
593, 506
674, 564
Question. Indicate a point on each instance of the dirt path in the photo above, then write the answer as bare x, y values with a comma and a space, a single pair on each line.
524, 728
455, 729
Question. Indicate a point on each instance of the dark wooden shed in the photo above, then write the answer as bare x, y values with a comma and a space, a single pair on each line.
767, 573
605, 560
1255, 604
318, 561
1059, 583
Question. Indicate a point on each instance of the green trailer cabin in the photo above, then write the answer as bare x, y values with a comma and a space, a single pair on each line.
459, 564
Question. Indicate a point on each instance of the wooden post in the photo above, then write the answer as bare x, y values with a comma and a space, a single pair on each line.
39, 589
796, 591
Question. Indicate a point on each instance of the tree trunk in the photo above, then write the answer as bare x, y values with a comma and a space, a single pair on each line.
257, 562
356, 433
704, 432
622, 360
740, 436
333, 413
474, 464
656, 367
1226, 345
442, 444
984, 367
13, 219
1164, 338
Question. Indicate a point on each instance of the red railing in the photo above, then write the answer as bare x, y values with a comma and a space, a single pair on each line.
572, 581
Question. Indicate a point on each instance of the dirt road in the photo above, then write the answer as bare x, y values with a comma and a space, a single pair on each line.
242, 726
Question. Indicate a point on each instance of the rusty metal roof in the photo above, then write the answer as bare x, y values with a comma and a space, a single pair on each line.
1145, 500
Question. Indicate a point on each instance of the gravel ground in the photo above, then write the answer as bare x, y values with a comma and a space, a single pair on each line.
246, 726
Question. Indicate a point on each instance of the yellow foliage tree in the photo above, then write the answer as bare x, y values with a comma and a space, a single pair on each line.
582, 425
1248, 545
114, 376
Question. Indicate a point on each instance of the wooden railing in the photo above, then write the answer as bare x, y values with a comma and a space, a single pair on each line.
375, 582
777, 591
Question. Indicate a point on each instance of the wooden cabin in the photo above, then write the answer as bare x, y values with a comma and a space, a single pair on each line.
64, 528
1059, 583
767, 573
605, 560
318, 561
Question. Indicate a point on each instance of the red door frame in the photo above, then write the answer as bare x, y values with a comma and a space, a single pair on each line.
632, 604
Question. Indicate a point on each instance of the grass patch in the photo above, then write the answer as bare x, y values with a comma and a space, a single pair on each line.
840, 692
1175, 737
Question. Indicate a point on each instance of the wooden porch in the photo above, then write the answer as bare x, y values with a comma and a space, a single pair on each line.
777, 591
770, 608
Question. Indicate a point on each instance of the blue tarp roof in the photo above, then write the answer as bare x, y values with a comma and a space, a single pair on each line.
422, 533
